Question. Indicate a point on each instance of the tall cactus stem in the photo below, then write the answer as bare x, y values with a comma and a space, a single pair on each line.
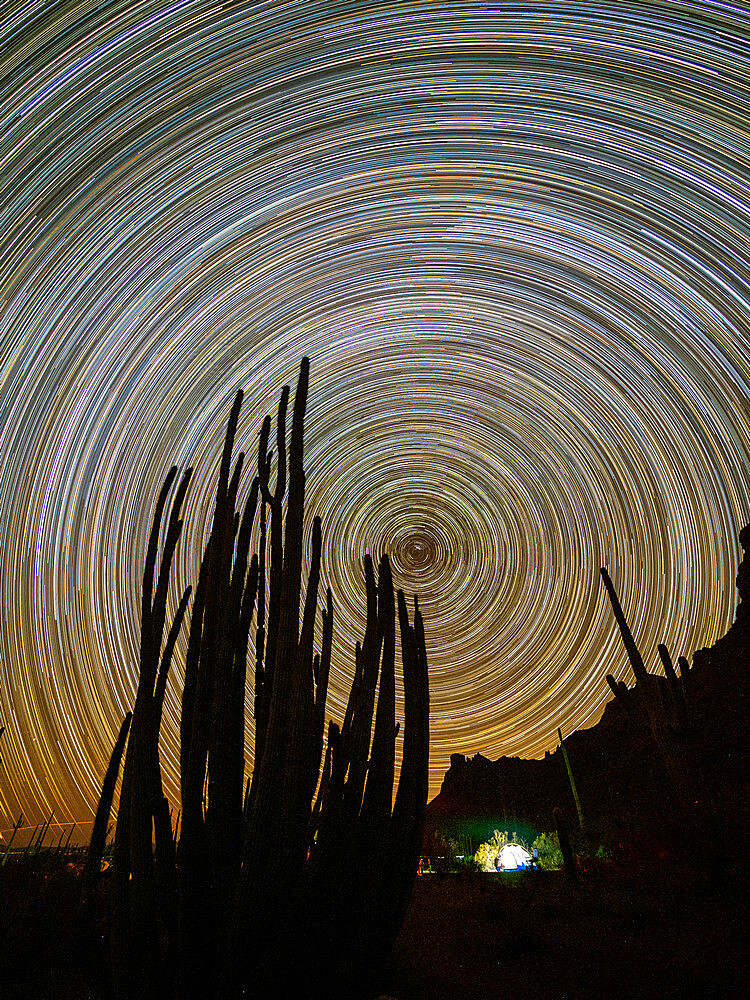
571, 779
636, 661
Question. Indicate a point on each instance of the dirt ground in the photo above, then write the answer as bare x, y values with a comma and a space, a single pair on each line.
613, 933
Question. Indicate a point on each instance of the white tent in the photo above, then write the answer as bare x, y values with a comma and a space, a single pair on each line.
513, 858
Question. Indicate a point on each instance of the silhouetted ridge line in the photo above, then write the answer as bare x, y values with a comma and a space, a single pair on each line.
666, 768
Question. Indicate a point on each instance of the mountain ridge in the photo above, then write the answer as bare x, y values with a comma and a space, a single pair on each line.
625, 791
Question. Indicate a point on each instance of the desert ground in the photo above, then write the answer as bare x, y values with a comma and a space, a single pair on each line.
647, 931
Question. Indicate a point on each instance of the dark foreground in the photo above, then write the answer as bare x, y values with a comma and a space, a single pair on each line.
616, 932
613, 933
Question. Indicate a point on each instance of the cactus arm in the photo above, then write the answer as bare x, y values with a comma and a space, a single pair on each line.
636, 661
153, 543
307, 634
353, 693
571, 779
101, 820
166, 659
234, 483
239, 677
358, 735
275, 501
159, 608
321, 682
565, 846
680, 708
242, 555
222, 488
622, 692
377, 804
666, 660
191, 669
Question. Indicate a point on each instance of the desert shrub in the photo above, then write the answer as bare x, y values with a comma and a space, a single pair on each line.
448, 846
451, 857
467, 865
547, 846
485, 854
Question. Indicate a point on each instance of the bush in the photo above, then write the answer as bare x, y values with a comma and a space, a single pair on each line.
485, 854
547, 846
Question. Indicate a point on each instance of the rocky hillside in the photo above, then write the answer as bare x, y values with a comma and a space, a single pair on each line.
626, 788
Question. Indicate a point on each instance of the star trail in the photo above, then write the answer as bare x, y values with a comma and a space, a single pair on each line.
514, 240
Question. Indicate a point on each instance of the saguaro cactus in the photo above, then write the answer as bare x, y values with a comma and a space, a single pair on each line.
254, 860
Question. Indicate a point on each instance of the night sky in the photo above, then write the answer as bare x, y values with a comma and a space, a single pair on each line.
514, 240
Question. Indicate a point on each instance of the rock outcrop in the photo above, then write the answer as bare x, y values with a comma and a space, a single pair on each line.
626, 793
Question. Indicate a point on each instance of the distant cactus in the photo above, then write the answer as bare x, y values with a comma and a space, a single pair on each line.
661, 705
259, 858
565, 846
67, 839
16, 828
571, 779
42, 834
661, 700
28, 849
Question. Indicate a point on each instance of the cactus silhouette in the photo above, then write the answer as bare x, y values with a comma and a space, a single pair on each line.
101, 820
212, 918
566, 849
661, 706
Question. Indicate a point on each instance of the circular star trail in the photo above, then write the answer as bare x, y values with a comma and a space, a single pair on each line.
514, 241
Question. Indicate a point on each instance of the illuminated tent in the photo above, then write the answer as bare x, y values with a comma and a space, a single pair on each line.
513, 858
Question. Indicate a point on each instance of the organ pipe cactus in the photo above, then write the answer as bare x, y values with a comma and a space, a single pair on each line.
660, 704
143, 880
258, 857
376, 841
101, 820
660, 699
16, 828
563, 835
572, 780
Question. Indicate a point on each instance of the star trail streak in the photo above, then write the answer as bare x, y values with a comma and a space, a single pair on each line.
514, 240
